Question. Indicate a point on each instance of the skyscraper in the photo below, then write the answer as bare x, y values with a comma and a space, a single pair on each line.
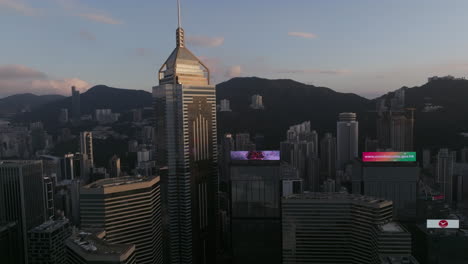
255, 215
86, 146
394, 181
445, 169
10, 245
76, 104
129, 210
340, 228
243, 142
185, 105
328, 155
347, 139
114, 167
22, 189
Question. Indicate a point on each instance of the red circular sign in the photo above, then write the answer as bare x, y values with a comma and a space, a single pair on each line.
443, 223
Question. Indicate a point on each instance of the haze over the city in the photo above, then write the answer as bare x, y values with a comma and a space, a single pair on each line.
365, 47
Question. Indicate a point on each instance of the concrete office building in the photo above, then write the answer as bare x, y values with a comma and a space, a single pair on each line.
129, 210
22, 189
46, 242
255, 211
186, 135
85, 247
347, 139
76, 104
394, 181
339, 228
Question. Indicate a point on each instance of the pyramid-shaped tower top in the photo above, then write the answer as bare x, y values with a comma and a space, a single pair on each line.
182, 67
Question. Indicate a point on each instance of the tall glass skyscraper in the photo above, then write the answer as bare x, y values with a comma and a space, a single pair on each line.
347, 139
185, 105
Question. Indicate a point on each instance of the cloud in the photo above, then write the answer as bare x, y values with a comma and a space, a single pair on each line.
302, 35
101, 18
204, 41
314, 71
19, 72
86, 35
233, 71
19, 6
16, 79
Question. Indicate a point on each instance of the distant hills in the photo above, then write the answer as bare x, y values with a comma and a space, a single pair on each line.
21, 102
287, 102
97, 97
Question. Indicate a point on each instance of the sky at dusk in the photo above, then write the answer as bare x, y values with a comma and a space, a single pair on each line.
366, 47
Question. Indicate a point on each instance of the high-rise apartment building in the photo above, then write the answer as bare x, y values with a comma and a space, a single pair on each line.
63, 116
46, 242
257, 102
76, 104
86, 146
243, 142
224, 105
185, 104
85, 247
300, 151
339, 228
114, 167
445, 173
347, 139
129, 210
22, 189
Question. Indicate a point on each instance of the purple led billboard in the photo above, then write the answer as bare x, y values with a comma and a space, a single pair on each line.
256, 155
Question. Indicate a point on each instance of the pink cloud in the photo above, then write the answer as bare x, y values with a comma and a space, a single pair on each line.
302, 35
19, 6
204, 41
101, 18
16, 79
233, 71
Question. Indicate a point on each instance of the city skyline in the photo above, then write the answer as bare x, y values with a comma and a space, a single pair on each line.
120, 45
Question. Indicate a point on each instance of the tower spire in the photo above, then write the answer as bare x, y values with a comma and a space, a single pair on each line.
180, 32
178, 14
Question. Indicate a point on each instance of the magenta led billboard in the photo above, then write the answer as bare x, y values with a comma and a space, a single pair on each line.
389, 156
256, 155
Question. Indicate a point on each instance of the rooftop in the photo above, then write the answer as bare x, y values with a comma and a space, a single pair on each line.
114, 182
392, 227
398, 260
337, 196
92, 244
50, 226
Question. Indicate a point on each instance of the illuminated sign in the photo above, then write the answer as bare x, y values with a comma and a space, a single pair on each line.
256, 155
438, 197
389, 156
443, 223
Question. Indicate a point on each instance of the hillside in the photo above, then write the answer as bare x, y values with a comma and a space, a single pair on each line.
23, 102
97, 97
286, 102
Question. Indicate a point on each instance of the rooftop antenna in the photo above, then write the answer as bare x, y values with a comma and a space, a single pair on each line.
178, 13
180, 31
